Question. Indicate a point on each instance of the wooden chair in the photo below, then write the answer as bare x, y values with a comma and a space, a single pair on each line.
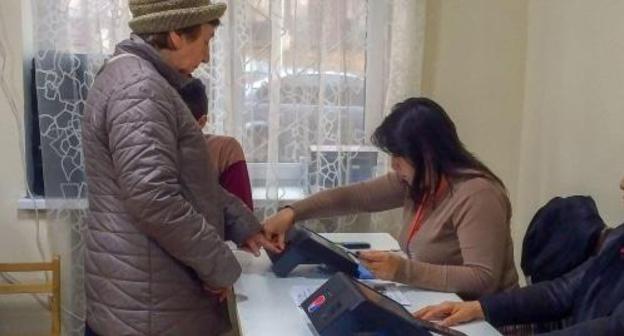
53, 287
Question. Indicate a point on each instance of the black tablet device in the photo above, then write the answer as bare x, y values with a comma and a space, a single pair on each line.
304, 246
345, 306
355, 245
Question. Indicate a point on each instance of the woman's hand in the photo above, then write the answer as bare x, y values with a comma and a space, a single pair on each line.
276, 226
221, 293
452, 313
384, 265
258, 240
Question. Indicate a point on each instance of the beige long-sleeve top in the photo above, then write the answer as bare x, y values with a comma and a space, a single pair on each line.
464, 244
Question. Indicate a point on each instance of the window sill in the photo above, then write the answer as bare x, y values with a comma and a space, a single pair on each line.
259, 194
27, 203
42, 204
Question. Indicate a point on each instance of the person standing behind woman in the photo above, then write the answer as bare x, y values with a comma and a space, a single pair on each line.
226, 153
156, 262
456, 212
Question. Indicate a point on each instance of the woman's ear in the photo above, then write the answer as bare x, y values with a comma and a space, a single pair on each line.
176, 40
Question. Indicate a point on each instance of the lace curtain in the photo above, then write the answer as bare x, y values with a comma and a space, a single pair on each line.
300, 83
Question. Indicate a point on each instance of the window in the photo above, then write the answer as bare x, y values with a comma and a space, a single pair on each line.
289, 79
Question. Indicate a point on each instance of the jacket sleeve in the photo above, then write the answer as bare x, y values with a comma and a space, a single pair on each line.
240, 222
603, 326
235, 179
143, 143
232, 167
542, 302
379, 194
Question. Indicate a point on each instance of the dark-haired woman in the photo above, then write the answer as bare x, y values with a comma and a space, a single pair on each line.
455, 235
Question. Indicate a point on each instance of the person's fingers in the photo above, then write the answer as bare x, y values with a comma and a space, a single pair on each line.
223, 295
454, 319
211, 290
276, 226
281, 241
420, 313
268, 245
372, 264
372, 255
463, 312
437, 312
375, 268
227, 292
253, 247
267, 233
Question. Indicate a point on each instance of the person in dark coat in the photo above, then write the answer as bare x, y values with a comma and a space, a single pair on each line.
226, 153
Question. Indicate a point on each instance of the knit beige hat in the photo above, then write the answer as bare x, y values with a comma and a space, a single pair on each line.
158, 16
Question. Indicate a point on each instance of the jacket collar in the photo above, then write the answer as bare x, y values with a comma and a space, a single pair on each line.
137, 46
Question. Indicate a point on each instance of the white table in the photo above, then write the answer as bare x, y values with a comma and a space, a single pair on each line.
264, 305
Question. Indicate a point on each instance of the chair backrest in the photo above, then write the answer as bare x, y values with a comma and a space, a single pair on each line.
563, 234
53, 287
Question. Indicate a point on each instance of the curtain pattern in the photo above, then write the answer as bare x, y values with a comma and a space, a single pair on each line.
72, 39
288, 78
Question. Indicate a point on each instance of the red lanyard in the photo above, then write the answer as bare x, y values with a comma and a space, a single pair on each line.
419, 217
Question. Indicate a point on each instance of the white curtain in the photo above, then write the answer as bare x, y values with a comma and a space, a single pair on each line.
72, 38
300, 83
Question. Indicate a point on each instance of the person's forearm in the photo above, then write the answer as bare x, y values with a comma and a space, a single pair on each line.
541, 302
470, 282
532, 304
379, 194
604, 326
240, 222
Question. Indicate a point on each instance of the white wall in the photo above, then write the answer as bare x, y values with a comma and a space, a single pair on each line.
475, 55
474, 66
574, 106
18, 314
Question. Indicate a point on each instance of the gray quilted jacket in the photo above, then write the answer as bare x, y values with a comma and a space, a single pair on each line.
157, 216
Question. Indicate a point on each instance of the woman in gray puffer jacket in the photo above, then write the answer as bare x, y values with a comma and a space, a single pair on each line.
156, 261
